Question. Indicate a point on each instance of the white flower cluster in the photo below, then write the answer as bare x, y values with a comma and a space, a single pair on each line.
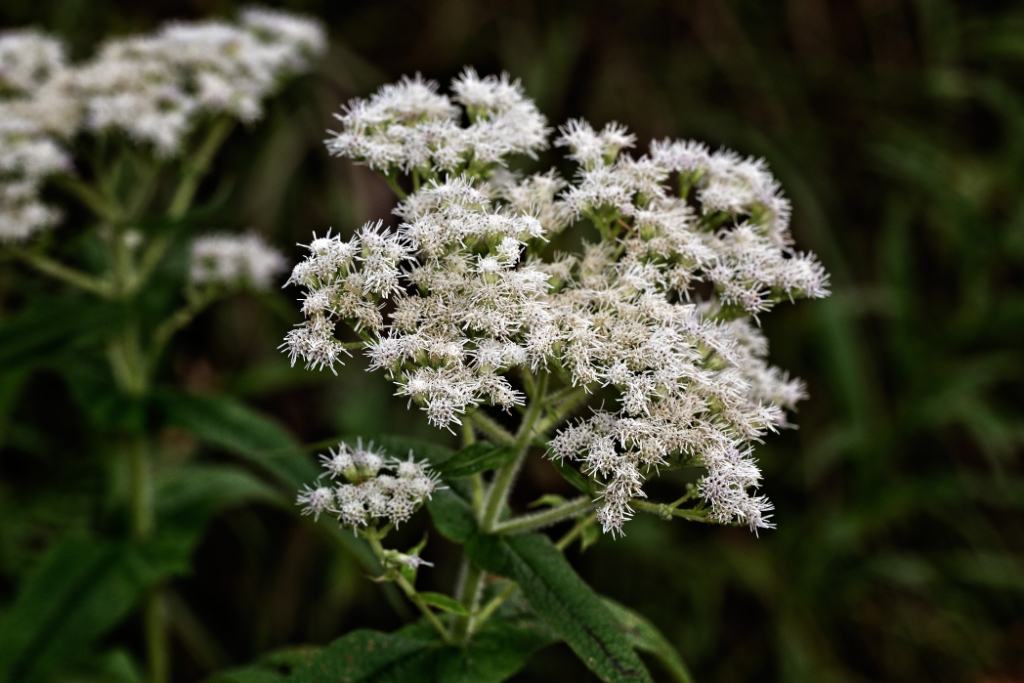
27, 156
153, 88
660, 313
28, 60
370, 487
235, 261
409, 125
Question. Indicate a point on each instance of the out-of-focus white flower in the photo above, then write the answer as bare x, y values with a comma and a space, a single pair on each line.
27, 157
368, 488
154, 87
235, 261
28, 59
661, 311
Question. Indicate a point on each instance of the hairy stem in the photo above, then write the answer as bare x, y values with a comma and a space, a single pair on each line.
505, 478
668, 512
539, 520
492, 429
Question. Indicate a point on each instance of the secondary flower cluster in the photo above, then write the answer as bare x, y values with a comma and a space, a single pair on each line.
152, 88
235, 261
660, 313
373, 488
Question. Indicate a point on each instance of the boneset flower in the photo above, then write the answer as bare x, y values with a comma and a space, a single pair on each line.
368, 488
661, 311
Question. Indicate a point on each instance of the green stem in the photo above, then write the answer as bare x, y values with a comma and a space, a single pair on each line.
196, 166
156, 638
395, 187
497, 496
373, 537
469, 597
493, 604
492, 429
71, 276
574, 533
92, 199
539, 520
570, 403
411, 593
667, 512
179, 319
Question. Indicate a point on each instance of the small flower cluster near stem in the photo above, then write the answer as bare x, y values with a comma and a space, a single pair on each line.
465, 304
155, 90
367, 488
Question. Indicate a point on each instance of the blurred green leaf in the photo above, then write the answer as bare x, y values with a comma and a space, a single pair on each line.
225, 422
48, 329
80, 590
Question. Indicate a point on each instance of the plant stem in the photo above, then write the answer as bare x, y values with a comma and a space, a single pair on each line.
494, 604
57, 270
196, 166
539, 520
373, 537
411, 593
156, 638
179, 319
667, 512
492, 429
92, 199
574, 533
505, 478
561, 411
469, 597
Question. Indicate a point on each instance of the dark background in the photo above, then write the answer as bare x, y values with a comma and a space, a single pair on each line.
897, 129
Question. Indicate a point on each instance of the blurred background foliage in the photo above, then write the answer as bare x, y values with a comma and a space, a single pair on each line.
897, 128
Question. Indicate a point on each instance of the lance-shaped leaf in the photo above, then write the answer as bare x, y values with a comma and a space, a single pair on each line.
646, 637
563, 600
479, 457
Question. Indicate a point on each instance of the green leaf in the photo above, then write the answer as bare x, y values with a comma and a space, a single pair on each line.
189, 497
365, 656
563, 600
547, 500
54, 327
81, 589
589, 537
416, 655
443, 602
479, 457
497, 651
647, 638
573, 476
225, 422
273, 667
452, 515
